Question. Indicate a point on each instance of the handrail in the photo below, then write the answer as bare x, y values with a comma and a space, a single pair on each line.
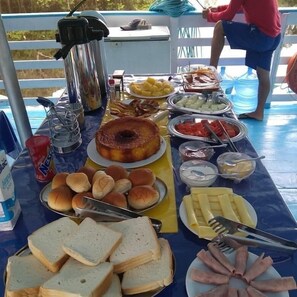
48, 21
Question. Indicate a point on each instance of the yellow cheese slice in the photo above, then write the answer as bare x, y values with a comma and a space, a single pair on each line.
228, 211
244, 214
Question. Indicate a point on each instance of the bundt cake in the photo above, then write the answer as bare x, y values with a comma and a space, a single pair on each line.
128, 139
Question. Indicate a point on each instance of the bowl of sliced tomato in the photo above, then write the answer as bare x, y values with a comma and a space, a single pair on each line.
194, 127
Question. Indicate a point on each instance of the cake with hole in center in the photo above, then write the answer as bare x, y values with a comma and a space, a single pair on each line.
128, 139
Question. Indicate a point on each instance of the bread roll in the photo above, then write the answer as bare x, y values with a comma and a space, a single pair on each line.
78, 182
142, 176
98, 174
102, 186
60, 198
89, 171
122, 185
59, 180
117, 199
116, 172
141, 197
78, 201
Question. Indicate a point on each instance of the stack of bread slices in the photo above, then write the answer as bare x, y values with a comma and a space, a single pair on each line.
91, 259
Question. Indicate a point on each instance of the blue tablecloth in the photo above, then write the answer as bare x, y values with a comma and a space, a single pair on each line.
259, 190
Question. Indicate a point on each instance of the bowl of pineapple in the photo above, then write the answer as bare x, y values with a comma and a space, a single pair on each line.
151, 88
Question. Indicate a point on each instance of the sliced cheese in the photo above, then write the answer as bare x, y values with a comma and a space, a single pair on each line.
228, 211
244, 214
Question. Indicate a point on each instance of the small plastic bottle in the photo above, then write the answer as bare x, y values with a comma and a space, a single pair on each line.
112, 92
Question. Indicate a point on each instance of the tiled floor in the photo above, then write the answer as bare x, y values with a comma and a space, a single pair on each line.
275, 137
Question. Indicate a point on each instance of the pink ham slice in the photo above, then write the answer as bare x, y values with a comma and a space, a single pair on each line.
275, 285
232, 292
257, 268
242, 293
216, 252
241, 257
254, 292
212, 263
209, 277
219, 291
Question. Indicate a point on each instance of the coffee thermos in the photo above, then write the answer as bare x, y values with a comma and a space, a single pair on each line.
82, 49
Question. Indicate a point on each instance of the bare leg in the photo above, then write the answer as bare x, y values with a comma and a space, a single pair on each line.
263, 92
217, 44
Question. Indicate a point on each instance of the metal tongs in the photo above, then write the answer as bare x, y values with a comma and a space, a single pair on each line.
226, 228
101, 211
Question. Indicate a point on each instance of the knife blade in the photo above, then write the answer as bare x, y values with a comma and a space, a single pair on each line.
119, 212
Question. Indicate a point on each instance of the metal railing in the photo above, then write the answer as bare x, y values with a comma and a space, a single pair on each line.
190, 39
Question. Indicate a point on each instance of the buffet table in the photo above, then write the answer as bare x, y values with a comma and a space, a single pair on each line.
259, 190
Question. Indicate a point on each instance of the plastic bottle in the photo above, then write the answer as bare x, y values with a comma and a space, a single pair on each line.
227, 83
246, 92
112, 91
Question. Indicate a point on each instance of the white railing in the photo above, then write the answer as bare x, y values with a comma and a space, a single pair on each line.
190, 38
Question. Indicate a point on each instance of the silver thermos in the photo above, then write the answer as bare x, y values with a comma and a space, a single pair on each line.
85, 66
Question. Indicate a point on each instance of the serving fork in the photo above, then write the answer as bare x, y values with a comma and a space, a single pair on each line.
228, 240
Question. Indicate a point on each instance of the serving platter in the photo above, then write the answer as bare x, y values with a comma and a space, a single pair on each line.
197, 118
223, 104
159, 185
194, 288
98, 159
24, 251
184, 219
128, 90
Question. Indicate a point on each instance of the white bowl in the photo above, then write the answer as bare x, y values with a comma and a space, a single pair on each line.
191, 179
242, 169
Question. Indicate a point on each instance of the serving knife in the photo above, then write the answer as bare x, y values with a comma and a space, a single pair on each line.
95, 207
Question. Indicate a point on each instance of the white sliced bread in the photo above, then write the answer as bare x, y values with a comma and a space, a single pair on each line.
152, 275
78, 280
114, 289
46, 242
25, 275
139, 244
92, 243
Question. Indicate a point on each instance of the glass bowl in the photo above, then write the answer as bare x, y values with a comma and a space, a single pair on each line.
192, 179
242, 170
189, 150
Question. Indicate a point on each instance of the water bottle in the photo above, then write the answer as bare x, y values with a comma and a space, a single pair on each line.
227, 83
246, 92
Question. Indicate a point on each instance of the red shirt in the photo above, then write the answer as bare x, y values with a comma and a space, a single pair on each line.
263, 14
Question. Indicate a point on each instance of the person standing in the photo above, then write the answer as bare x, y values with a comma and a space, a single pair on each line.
259, 36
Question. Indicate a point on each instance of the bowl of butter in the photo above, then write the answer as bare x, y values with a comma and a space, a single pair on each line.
235, 166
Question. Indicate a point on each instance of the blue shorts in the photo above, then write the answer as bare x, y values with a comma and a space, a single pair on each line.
259, 47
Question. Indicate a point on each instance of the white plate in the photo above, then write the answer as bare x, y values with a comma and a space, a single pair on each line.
95, 157
150, 97
194, 288
184, 219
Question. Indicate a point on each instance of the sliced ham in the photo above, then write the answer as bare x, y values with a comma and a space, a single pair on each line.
257, 268
241, 257
212, 263
219, 291
254, 292
242, 293
275, 285
232, 292
216, 252
210, 277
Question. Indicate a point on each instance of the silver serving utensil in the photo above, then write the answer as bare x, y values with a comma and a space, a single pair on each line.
226, 229
96, 208
234, 162
202, 174
230, 142
195, 149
